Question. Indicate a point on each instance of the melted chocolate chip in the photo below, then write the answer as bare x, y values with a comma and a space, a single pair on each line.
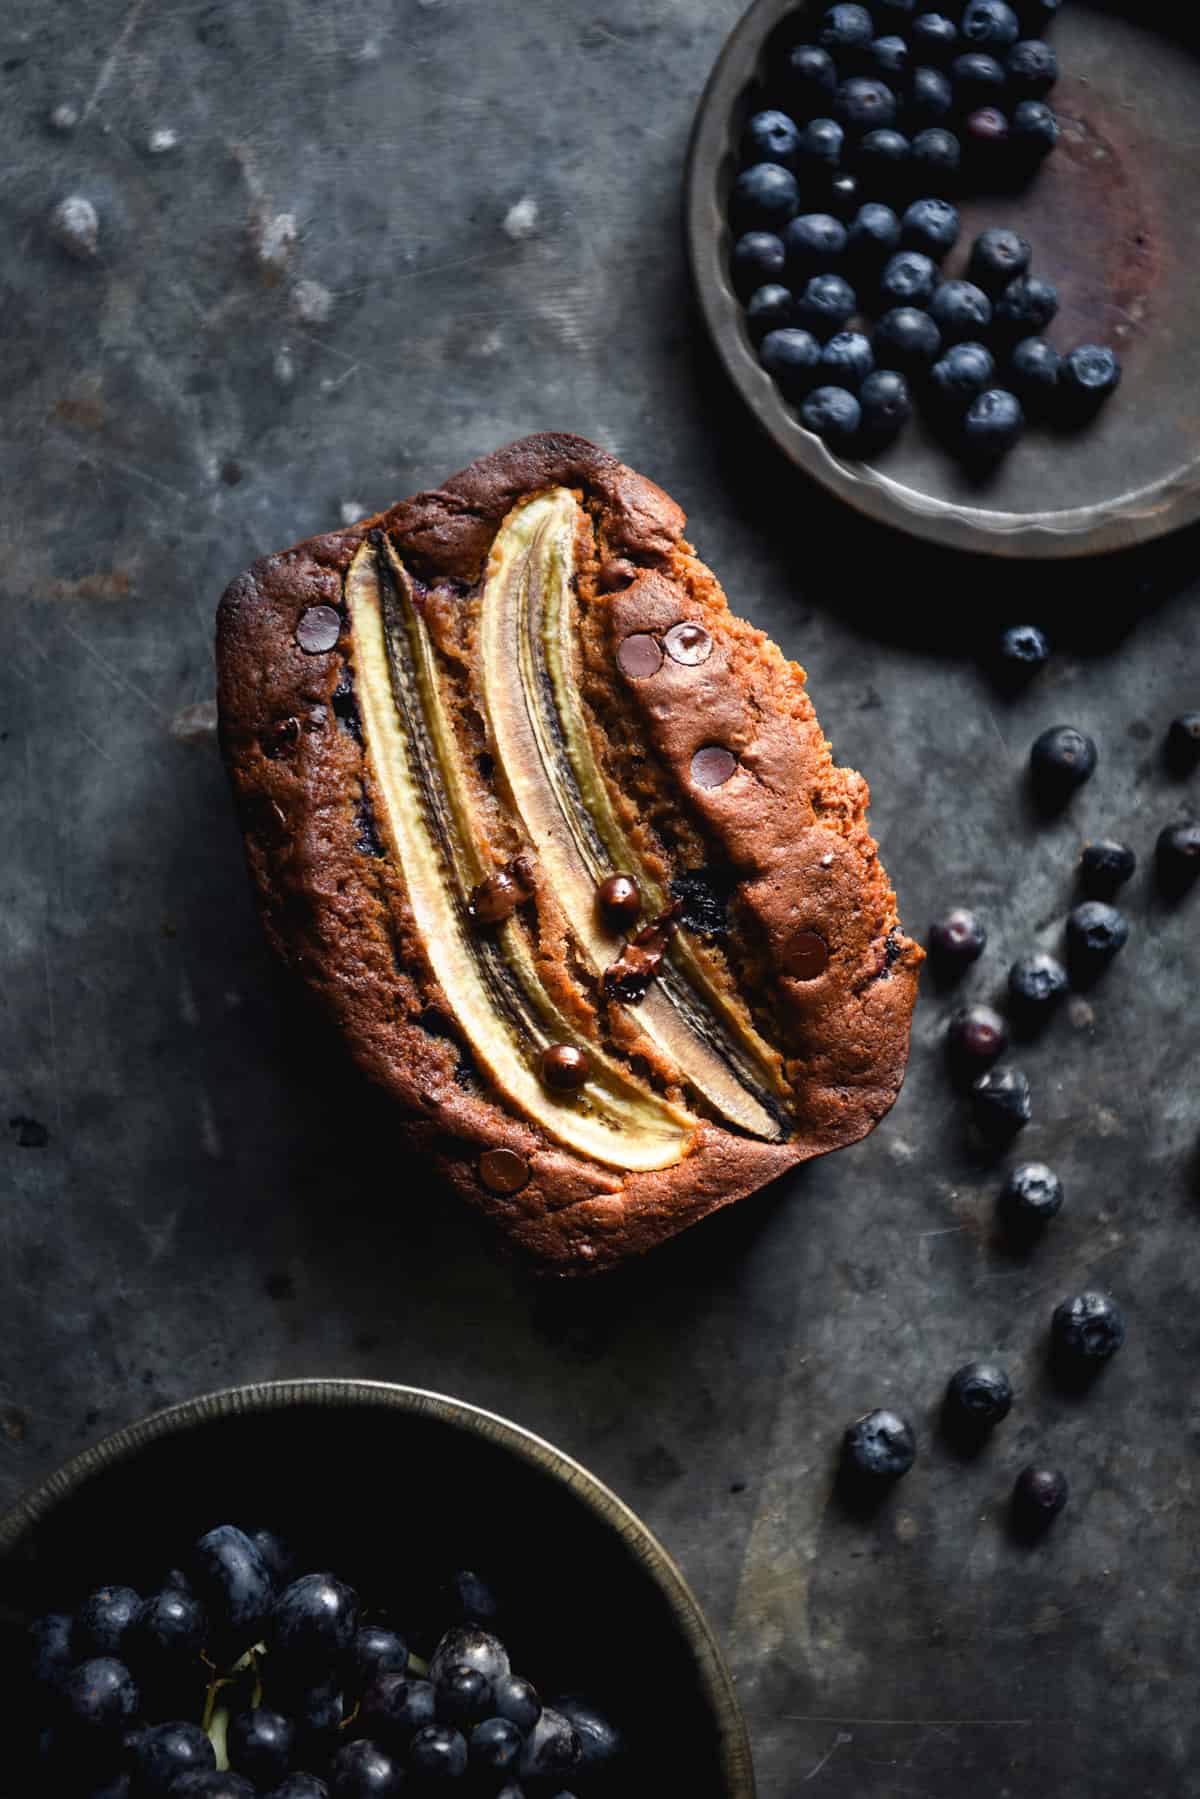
619, 902
629, 977
564, 1068
688, 643
713, 765
345, 706
318, 629
281, 737
498, 897
806, 956
704, 895
615, 574
503, 1170
640, 656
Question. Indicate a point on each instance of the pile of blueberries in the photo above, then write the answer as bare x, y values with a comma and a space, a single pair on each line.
831, 224
235, 1678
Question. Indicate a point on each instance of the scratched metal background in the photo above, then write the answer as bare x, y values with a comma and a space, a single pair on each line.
382, 237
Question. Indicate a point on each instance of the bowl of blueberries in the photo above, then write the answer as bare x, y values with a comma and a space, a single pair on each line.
351, 1590
937, 244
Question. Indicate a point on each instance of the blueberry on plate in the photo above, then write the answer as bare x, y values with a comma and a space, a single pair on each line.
314, 1620
1035, 130
1105, 866
1096, 932
934, 38
771, 136
164, 1752
932, 226
834, 414
961, 311
394, 1706
1182, 747
810, 77
103, 1620
864, 103
814, 242
958, 939
908, 279
260, 1744
462, 1694
517, 1700
976, 1037
846, 28
993, 425
890, 58
883, 158
1088, 1328
930, 97
377, 1650
1035, 372
936, 154
886, 406
233, 1583
998, 256
1032, 69
495, 1746
1177, 858
990, 24
763, 197
362, 1770
825, 305
1020, 652
1031, 1196
979, 1395
874, 233
212, 1783
845, 194
300, 1786
1038, 1497
985, 130
907, 340
50, 1653
1000, 1103
1087, 378
879, 1446
601, 1743
846, 360
1061, 760
471, 1644
820, 145
770, 308
978, 80
551, 1749
99, 1697
1036, 983
792, 358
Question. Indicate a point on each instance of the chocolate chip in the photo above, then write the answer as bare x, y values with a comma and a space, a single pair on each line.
616, 573
713, 765
806, 956
640, 656
498, 896
688, 643
281, 736
628, 978
619, 901
564, 1068
318, 629
503, 1170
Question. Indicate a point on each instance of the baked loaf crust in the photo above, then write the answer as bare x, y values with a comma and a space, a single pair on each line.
762, 1020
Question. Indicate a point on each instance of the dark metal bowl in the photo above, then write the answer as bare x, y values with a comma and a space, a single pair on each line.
383, 1478
1113, 220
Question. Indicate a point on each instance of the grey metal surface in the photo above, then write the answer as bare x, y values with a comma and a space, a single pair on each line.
217, 1198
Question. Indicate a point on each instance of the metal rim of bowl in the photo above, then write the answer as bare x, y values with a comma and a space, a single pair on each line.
1119, 523
264, 1396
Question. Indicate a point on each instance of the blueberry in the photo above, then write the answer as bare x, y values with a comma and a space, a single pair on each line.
821, 144
377, 1650
991, 24
260, 1744
764, 197
959, 376
98, 1696
936, 153
845, 194
810, 76
1032, 69
170, 1625
314, 1620
1021, 651
814, 242
50, 1652
961, 311
1000, 1103
473, 1645
864, 103
437, 1753
1031, 1195
1035, 371
1035, 130
890, 57
1096, 932
874, 233
1036, 983
881, 1445
1088, 1328
930, 98
998, 256
834, 414
1089, 375
516, 1700
770, 308
793, 358
1105, 866
393, 1706
979, 1395
1038, 1497
993, 425
300, 1786
771, 137
886, 405
1177, 858
552, 1748
931, 226
209, 1783
757, 258
1061, 760
164, 1752
976, 1037
846, 28
979, 80
825, 305
317, 1708
362, 1770
934, 38
908, 279
985, 129
1182, 748
102, 1621
281, 1563
601, 1743
884, 157
846, 360
906, 339
495, 1746
957, 939
233, 1583
462, 1695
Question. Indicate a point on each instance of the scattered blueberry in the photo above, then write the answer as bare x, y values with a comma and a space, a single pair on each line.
495, 1746
976, 1037
1183, 743
1061, 760
1000, 1103
998, 256
1035, 372
810, 75
834, 414
793, 358
1096, 932
462, 1694
934, 38
886, 405
961, 311
473, 1598
1032, 68
1105, 866
978, 80
770, 308
930, 97
906, 339
1036, 983
170, 1625
825, 305
281, 1563
936, 153
845, 194
908, 279
881, 1445
314, 1620
991, 24
979, 1395
1177, 858
771, 137
99, 1696
993, 424
476, 1647
814, 242
1038, 1497
164, 1752
1088, 1328
552, 1748
932, 226
516, 1700
260, 1744
1021, 651
864, 103
1035, 130
958, 376
846, 360
103, 1620
393, 1706
377, 1650
234, 1584
764, 197
362, 1770
846, 28
884, 156
1031, 1195
874, 232
985, 129
1089, 375
890, 57
820, 144
601, 1744
957, 939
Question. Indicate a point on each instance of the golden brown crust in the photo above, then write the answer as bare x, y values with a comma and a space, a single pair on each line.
789, 822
